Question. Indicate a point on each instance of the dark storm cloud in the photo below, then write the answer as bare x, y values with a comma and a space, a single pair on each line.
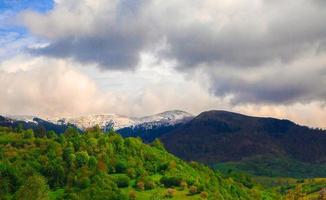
114, 41
282, 39
236, 35
253, 41
195, 47
275, 88
320, 2
112, 51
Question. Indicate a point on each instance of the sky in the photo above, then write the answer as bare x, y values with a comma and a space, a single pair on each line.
140, 57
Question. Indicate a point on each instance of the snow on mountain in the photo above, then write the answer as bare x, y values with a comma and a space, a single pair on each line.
170, 117
167, 118
24, 118
109, 120
117, 122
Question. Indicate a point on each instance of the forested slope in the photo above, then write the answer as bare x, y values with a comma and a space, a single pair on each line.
97, 165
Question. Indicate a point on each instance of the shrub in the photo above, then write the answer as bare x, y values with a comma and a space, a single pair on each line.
193, 190
170, 192
140, 185
131, 172
172, 164
163, 167
170, 181
149, 184
183, 185
120, 167
121, 180
204, 195
101, 166
132, 195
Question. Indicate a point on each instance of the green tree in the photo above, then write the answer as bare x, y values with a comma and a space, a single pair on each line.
51, 135
71, 132
35, 188
102, 188
158, 144
121, 180
82, 158
121, 167
40, 132
27, 134
20, 128
92, 162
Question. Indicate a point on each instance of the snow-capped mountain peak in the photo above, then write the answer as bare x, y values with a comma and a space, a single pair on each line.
167, 118
107, 121
24, 118
113, 120
117, 122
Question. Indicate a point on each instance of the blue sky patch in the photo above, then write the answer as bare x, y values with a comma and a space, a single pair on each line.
19, 5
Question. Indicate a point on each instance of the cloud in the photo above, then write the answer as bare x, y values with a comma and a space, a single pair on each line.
56, 87
242, 34
301, 81
108, 33
221, 38
237, 33
46, 87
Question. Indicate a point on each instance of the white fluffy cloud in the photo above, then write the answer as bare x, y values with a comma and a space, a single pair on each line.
46, 87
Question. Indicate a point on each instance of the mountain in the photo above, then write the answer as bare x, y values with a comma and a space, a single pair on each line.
115, 121
102, 166
221, 136
31, 122
155, 126
225, 140
148, 127
104, 121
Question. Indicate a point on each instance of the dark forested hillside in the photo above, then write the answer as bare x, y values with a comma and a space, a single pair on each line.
98, 166
220, 136
147, 134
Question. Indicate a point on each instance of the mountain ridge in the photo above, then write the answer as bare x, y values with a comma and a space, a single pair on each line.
221, 136
104, 121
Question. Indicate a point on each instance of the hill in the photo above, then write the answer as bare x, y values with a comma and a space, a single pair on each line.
97, 165
225, 140
221, 136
